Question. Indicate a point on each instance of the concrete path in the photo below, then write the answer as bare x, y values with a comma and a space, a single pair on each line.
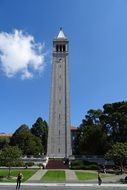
37, 176
114, 179
71, 176
66, 185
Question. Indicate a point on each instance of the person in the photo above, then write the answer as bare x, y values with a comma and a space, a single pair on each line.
104, 169
99, 179
19, 179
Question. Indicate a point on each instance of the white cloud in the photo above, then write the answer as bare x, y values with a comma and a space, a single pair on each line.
19, 54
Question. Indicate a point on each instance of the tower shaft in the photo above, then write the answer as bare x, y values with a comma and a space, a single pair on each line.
59, 139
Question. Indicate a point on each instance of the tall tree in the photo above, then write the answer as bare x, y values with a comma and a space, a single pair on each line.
118, 153
114, 120
26, 141
92, 138
108, 126
40, 129
4, 141
10, 156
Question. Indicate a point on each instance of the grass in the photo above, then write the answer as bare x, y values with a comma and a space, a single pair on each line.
26, 174
89, 175
85, 175
53, 176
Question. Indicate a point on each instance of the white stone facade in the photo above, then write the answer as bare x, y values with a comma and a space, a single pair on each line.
59, 137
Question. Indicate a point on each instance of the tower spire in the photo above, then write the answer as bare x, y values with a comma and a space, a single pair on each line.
61, 34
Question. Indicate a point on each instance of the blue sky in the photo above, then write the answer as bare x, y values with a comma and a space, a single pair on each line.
97, 31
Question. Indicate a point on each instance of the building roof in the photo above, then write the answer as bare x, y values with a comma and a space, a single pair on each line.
6, 134
61, 34
73, 128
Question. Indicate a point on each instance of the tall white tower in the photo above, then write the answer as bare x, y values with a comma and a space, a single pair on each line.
59, 135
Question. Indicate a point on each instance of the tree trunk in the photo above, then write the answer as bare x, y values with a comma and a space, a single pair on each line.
121, 168
9, 172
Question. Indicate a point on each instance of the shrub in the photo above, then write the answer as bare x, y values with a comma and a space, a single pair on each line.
82, 164
30, 163
91, 167
19, 164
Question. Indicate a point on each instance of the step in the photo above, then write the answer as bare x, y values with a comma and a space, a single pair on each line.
56, 164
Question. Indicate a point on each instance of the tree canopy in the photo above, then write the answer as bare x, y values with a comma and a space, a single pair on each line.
26, 141
118, 153
40, 130
4, 141
91, 137
10, 156
115, 121
100, 129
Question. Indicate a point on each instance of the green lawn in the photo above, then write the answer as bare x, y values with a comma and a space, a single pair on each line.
53, 176
26, 174
85, 175
89, 175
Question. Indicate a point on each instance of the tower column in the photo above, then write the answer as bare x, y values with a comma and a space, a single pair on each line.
59, 136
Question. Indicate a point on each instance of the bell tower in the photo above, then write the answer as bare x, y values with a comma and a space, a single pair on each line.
59, 135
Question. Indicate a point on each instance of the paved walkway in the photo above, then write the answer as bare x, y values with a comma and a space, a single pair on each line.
67, 185
71, 176
114, 179
37, 176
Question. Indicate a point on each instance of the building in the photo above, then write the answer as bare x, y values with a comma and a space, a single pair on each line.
6, 135
59, 137
74, 133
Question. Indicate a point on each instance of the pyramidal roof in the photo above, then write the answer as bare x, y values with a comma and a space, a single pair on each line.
61, 34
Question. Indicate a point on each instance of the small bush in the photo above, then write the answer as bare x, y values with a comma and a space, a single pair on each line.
91, 167
82, 164
77, 162
19, 164
30, 164
85, 162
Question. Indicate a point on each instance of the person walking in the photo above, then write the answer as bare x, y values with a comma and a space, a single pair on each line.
99, 179
19, 179
104, 169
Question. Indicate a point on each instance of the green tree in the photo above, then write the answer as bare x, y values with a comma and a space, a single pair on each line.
10, 156
92, 138
114, 120
26, 141
105, 127
118, 153
33, 146
4, 141
40, 130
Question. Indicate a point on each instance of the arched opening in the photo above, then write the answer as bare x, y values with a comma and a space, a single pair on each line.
60, 47
64, 48
57, 48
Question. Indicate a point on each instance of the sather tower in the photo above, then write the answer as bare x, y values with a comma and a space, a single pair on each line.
59, 139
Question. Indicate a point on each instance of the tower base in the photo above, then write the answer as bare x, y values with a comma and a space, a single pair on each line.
57, 164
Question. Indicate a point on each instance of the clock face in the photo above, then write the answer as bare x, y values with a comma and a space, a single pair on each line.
61, 60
